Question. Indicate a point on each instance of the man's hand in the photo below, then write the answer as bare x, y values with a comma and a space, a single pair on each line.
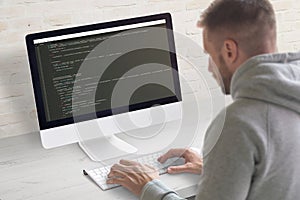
193, 162
132, 175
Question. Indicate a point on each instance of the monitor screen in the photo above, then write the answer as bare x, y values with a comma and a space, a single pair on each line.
103, 69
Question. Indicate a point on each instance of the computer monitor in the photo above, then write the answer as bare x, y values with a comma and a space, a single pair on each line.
100, 72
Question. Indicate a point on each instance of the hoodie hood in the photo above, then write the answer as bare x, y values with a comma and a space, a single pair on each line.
273, 78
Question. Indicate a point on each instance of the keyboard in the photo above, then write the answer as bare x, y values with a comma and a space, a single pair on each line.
99, 175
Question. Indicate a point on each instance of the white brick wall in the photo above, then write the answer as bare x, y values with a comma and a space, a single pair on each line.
20, 17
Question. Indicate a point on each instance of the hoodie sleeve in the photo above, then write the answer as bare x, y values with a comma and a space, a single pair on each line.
156, 190
229, 161
234, 146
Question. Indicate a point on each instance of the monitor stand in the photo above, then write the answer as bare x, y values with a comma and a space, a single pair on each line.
106, 148
99, 138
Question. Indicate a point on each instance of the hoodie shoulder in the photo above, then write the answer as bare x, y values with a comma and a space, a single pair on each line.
271, 78
243, 120
247, 112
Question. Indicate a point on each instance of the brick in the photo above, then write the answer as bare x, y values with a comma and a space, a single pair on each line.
3, 134
54, 8
71, 5
114, 3
195, 51
5, 106
283, 5
297, 25
178, 29
296, 5
33, 113
195, 85
79, 18
193, 15
116, 13
13, 38
290, 16
296, 47
8, 12
11, 118
23, 103
3, 26
191, 75
5, 77
192, 29
178, 25
22, 2
13, 66
197, 39
179, 17
9, 91
285, 27
175, 6
37, 9
158, 0
297, 15
181, 51
285, 47
27, 23
197, 4
183, 65
19, 128
186, 86
58, 20
292, 36
199, 63
19, 77
280, 16
142, 9
9, 51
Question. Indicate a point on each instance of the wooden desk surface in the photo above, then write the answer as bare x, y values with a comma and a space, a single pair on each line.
30, 172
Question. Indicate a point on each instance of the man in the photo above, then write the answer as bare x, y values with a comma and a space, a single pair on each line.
257, 156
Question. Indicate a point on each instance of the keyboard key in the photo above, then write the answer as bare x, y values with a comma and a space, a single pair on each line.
99, 175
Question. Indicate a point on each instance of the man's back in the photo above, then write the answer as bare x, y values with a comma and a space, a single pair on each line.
257, 155
277, 175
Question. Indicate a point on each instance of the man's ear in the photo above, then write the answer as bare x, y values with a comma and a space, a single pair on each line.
230, 52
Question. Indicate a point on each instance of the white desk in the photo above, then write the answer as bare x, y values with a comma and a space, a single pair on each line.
29, 172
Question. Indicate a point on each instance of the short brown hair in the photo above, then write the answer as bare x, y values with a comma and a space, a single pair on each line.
251, 21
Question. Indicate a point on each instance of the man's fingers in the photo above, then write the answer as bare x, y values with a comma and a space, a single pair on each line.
116, 180
129, 168
128, 162
119, 167
188, 167
116, 173
171, 154
133, 177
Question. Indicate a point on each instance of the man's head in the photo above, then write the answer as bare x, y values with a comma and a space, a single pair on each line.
234, 31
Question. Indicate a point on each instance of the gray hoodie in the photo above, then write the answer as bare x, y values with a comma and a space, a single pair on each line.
257, 155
